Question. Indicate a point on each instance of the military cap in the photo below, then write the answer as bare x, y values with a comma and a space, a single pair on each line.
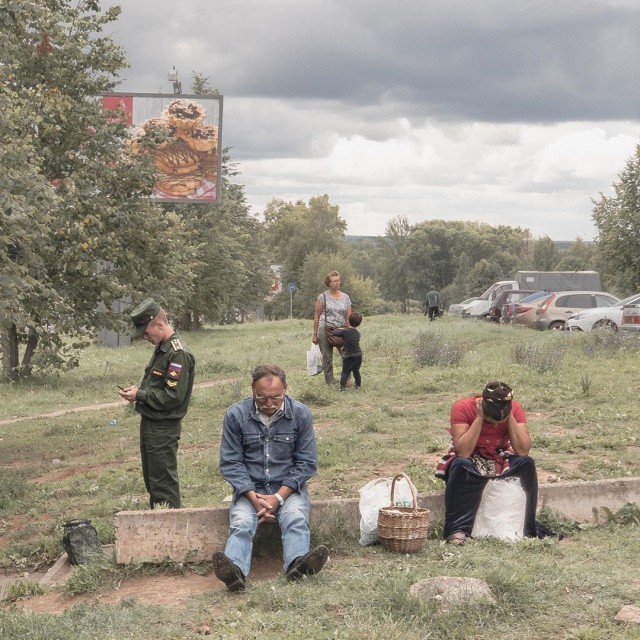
142, 315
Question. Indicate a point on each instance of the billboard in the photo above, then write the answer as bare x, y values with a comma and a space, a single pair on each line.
185, 132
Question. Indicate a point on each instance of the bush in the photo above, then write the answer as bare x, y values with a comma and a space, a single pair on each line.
430, 349
541, 358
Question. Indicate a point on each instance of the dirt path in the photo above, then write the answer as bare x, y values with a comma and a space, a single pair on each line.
104, 405
163, 590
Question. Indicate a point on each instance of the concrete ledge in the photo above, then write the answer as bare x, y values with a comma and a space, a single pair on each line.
193, 535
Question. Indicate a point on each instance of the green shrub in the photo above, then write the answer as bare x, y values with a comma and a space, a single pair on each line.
431, 349
539, 357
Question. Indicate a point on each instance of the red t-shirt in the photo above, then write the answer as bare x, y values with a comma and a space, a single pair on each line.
492, 435
493, 442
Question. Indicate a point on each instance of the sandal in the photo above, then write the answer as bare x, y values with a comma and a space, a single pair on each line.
457, 538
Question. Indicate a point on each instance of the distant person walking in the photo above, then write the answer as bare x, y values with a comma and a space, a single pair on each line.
331, 311
351, 351
162, 400
432, 304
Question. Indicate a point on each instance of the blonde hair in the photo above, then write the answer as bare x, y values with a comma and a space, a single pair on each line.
331, 274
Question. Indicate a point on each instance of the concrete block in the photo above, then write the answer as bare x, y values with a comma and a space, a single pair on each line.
193, 535
583, 501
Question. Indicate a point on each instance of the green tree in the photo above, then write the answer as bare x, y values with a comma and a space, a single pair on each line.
545, 254
93, 236
294, 231
435, 249
394, 277
580, 256
617, 219
230, 266
230, 263
483, 274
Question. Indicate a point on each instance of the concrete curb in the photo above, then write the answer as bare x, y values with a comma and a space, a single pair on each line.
193, 535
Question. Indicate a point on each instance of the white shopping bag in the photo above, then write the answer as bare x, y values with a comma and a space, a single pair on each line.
375, 495
501, 511
314, 360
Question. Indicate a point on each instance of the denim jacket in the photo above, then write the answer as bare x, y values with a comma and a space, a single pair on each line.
254, 457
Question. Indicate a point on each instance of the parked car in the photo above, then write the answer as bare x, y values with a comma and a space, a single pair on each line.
511, 309
601, 317
506, 297
456, 308
630, 318
554, 310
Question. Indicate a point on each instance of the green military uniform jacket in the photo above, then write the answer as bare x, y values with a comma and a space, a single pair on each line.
166, 387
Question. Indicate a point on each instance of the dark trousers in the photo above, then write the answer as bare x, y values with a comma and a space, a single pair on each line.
434, 312
464, 488
351, 365
159, 455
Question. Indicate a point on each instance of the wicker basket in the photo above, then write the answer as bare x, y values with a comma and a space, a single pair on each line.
403, 529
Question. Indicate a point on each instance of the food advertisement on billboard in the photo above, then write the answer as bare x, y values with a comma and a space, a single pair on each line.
184, 132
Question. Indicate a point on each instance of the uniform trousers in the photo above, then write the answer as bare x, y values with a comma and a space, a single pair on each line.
159, 453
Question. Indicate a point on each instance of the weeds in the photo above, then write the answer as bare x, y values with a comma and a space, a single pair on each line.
539, 357
431, 349
14, 488
24, 588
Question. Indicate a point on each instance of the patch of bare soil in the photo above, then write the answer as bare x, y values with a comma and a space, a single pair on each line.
162, 590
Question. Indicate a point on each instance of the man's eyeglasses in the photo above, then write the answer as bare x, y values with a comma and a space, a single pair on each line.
267, 398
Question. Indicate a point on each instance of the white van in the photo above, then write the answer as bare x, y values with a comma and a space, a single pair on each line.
480, 308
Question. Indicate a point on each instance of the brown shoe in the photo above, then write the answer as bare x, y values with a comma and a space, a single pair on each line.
308, 564
228, 572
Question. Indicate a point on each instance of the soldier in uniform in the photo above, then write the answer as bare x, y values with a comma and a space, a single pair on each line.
162, 400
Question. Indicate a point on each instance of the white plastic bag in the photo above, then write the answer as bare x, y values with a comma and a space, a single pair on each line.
501, 511
375, 495
314, 360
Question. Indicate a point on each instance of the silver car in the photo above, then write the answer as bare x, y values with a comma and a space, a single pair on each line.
601, 317
554, 312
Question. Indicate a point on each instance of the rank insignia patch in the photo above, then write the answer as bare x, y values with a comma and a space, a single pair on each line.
172, 383
174, 370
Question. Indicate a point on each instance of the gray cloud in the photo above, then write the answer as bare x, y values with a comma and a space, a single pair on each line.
469, 109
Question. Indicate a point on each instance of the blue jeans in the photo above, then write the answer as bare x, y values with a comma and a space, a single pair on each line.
293, 518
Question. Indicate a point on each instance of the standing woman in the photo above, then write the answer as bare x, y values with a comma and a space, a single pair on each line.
332, 308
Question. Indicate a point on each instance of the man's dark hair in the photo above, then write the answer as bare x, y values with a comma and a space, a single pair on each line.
268, 371
355, 319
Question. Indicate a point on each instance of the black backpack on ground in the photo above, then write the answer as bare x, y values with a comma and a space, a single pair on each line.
80, 541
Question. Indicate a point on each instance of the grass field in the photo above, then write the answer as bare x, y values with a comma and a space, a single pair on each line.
580, 393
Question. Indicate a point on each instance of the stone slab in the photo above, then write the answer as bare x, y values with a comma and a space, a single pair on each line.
193, 535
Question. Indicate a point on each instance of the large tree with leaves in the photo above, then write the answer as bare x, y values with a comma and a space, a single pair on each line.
296, 230
617, 219
230, 262
76, 227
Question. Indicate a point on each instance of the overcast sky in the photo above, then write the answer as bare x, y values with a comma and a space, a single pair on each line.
515, 112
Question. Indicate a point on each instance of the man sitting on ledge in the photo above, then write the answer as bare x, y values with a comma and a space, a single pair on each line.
267, 454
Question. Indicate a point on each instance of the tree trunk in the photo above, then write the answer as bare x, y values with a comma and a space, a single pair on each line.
10, 352
32, 343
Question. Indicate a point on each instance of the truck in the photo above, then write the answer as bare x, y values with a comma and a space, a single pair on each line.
537, 280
